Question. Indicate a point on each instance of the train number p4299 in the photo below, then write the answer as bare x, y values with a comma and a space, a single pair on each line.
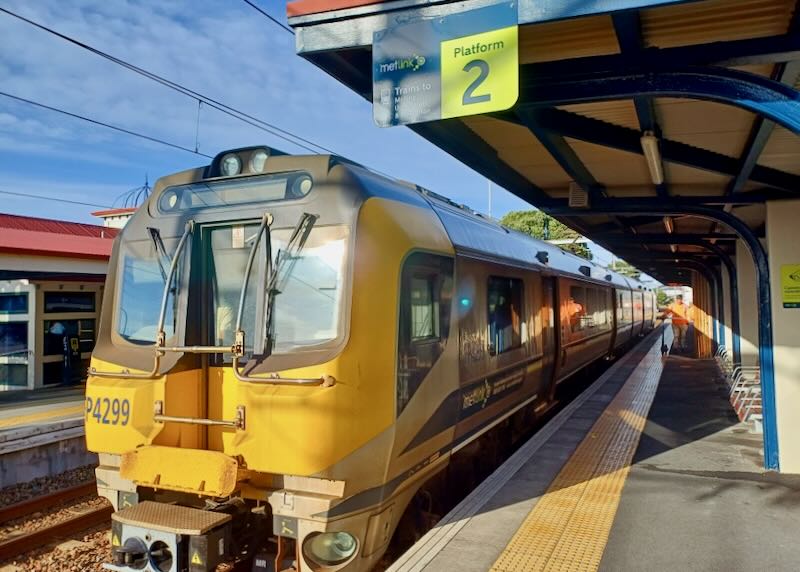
107, 411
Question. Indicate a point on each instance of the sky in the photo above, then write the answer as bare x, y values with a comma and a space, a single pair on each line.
224, 50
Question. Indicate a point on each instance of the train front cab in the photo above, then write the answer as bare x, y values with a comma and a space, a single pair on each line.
297, 433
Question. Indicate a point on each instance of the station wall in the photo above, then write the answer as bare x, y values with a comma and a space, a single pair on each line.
748, 304
783, 237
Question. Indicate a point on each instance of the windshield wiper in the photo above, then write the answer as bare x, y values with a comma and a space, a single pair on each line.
290, 254
161, 251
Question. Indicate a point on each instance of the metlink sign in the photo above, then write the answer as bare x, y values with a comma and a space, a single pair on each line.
457, 65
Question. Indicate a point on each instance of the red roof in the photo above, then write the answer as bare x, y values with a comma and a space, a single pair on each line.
305, 7
47, 237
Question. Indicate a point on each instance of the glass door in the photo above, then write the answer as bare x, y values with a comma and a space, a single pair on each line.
227, 249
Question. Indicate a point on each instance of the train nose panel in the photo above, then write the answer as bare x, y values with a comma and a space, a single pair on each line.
157, 537
186, 470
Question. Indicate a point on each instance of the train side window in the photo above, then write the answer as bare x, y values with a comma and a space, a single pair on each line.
424, 308
426, 293
505, 314
599, 306
576, 308
592, 308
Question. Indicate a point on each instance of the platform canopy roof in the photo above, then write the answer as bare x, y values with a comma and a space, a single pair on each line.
713, 80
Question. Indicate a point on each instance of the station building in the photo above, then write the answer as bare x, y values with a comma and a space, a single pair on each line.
51, 285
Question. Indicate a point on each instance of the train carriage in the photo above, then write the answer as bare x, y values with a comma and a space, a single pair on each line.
293, 346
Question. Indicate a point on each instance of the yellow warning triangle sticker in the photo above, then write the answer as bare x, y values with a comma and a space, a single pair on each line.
115, 540
196, 558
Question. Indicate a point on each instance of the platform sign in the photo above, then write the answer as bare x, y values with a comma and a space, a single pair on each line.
462, 64
790, 285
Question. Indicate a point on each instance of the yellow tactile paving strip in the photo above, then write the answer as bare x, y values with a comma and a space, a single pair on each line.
35, 417
568, 528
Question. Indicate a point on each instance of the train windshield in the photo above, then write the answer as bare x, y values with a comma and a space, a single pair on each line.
144, 273
307, 301
307, 289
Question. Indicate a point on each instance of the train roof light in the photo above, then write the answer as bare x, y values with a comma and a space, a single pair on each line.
258, 160
543, 257
230, 165
585, 270
250, 160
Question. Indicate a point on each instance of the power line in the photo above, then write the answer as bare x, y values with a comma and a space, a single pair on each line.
279, 132
275, 20
56, 199
107, 125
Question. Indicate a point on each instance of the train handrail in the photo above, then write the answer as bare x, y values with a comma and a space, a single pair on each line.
158, 347
237, 423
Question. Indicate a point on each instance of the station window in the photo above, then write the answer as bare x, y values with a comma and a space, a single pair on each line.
56, 330
505, 314
14, 303
14, 339
14, 374
54, 373
576, 308
68, 302
426, 293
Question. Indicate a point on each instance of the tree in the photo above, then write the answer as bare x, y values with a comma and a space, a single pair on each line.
544, 227
662, 300
626, 269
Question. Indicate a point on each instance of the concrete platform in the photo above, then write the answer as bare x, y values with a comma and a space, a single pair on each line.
42, 434
34, 408
693, 496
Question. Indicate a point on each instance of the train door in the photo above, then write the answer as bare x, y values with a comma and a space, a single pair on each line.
224, 249
550, 341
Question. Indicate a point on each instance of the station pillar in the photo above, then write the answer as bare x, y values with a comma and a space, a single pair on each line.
783, 237
748, 304
727, 318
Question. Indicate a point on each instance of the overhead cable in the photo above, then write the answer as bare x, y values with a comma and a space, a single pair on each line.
107, 125
279, 132
57, 199
270, 17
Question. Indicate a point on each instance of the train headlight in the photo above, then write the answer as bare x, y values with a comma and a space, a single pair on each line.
330, 548
258, 160
230, 165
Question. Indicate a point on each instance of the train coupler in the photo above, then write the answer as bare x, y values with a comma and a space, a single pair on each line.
158, 537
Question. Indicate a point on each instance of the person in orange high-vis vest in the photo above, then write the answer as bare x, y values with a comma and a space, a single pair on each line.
681, 316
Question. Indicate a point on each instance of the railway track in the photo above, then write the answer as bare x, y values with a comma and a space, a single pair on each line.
29, 540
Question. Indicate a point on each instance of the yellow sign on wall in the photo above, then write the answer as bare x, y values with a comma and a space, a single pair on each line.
479, 73
790, 285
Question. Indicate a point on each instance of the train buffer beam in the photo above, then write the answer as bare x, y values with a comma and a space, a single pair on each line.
648, 469
159, 537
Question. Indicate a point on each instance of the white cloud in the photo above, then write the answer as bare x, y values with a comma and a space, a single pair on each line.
225, 50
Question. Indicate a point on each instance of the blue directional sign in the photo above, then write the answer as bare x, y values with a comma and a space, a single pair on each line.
456, 65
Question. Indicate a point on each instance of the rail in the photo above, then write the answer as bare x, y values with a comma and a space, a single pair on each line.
13, 547
42, 502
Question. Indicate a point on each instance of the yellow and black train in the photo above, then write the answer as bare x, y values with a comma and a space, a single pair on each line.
291, 347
